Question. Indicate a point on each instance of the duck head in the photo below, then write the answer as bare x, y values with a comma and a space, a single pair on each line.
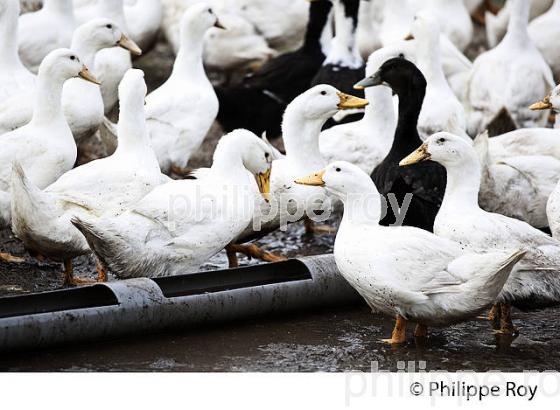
198, 19
443, 147
256, 155
103, 33
402, 76
322, 102
341, 179
550, 101
132, 94
63, 64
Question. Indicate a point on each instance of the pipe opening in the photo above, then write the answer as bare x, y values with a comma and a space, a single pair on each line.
229, 279
58, 300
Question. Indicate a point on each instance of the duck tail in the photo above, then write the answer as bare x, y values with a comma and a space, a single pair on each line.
107, 246
116, 252
30, 206
503, 270
483, 288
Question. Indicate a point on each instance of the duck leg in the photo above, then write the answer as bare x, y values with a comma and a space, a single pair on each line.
251, 251
233, 261
506, 324
9, 258
70, 280
101, 273
494, 316
313, 228
179, 171
421, 330
399, 332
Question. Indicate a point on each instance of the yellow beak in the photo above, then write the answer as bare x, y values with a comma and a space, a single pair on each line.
129, 45
545, 104
421, 154
349, 101
315, 179
86, 75
263, 181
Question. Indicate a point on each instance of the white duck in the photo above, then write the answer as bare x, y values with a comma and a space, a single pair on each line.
82, 102
180, 112
45, 147
143, 17
14, 77
536, 280
105, 187
239, 47
43, 31
163, 235
110, 63
531, 141
454, 20
366, 142
404, 271
516, 186
301, 127
496, 25
397, 19
543, 31
281, 22
510, 76
441, 110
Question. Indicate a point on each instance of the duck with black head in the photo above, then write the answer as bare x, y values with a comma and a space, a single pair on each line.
418, 190
267, 92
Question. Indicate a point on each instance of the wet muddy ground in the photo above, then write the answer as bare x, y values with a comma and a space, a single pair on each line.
329, 340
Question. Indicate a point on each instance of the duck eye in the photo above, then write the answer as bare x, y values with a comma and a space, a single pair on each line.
109, 26
266, 155
323, 93
210, 11
337, 169
441, 140
72, 58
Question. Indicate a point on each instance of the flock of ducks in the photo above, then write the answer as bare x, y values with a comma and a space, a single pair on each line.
378, 110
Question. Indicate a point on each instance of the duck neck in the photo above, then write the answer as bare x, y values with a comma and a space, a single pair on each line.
228, 159
301, 137
361, 208
63, 8
517, 32
463, 185
429, 58
406, 133
8, 36
318, 17
132, 131
47, 102
344, 51
379, 112
189, 58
